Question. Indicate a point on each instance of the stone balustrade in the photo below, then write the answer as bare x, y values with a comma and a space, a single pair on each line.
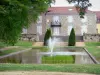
29, 37
91, 37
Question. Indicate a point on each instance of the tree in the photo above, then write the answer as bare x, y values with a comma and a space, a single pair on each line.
47, 36
81, 6
18, 14
72, 41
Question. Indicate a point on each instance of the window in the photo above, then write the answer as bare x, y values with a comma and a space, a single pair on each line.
39, 26
84, 19
69, 29
39, 19
24, 31
56, 19
70, 19
56, 31
39, 29
83, 29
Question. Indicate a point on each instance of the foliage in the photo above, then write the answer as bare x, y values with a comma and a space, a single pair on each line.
72, 41
82, 68
47, 36
17, 14
81, 6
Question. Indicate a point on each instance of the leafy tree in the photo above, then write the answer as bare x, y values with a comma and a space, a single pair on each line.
81, 6
17, 14
47, 36
72, 41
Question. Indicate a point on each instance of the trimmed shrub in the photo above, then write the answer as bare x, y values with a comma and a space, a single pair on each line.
47, 36
72, 40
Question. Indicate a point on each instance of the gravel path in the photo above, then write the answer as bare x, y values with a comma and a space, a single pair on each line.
80, 44
40, 73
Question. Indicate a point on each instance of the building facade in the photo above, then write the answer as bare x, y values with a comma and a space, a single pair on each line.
61, 20
98, 21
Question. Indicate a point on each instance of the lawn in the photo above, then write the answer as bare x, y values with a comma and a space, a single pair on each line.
92, 43
93, 48
19, 43
87, 68
8, 51
93, 69
22, 45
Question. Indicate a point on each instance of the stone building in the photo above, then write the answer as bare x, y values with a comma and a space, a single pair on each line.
61, 20
98, 21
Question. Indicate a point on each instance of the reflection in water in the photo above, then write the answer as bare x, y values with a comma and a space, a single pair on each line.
81, 57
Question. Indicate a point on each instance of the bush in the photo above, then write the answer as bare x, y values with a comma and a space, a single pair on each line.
47, 36
72, 41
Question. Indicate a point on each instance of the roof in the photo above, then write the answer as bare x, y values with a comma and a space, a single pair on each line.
62, 10
69, 10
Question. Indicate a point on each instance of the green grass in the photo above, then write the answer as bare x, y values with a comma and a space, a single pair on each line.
93, 48
57, 59
19, 43
5, 52
24, 43
95, 51
93, 69
92, 43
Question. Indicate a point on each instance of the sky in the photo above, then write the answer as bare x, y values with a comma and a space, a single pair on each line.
62, 3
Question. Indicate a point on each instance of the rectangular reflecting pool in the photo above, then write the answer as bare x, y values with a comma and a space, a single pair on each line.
60, 55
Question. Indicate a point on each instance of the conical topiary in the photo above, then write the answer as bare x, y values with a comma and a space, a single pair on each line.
72, 39
47, 36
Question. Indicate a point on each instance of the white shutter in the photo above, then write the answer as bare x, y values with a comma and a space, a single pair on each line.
69, 29
39, 29
56, 19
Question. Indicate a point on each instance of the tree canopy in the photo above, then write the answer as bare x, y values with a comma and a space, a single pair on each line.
81, 6
17, 14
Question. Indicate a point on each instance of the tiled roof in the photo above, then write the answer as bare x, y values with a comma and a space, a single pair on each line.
63, 10
69, 10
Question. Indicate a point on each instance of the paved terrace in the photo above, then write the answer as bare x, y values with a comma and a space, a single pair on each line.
79, 44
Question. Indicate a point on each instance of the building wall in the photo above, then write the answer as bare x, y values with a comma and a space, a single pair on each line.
77, 23
98, 28
90, 23
32, 29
